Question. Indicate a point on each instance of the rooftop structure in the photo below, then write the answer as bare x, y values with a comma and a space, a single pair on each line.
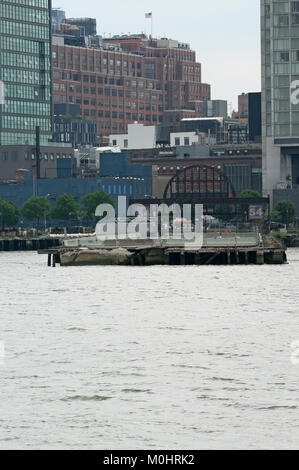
87, 26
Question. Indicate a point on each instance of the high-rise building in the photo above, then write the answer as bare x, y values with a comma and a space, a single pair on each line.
280, 94
58, 17
213, 108
25, 70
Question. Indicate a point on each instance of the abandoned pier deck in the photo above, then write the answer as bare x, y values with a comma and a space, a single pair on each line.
223, 249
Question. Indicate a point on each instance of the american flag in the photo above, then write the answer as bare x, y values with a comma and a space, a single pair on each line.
149, 15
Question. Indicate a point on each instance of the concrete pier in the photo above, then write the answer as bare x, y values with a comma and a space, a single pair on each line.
149, 253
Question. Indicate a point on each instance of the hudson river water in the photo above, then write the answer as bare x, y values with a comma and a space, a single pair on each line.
158, 357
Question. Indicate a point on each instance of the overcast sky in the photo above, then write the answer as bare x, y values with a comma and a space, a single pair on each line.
224, 33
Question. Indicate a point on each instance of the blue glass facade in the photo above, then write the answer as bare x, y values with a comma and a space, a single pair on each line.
25, 70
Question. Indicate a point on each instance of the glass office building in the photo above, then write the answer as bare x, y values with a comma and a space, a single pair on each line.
280, 94
25, 70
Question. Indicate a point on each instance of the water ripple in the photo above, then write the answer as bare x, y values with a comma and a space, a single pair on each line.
162, 357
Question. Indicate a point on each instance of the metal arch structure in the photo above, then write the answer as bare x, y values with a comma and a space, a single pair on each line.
206, 185
199, 183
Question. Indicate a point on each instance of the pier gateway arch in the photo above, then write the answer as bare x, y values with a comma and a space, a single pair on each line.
202, 184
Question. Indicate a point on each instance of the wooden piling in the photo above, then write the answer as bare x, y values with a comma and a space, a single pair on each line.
260, 257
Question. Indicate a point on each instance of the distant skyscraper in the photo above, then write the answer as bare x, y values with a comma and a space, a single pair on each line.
58, 17
280, 94
25, 69
213, 108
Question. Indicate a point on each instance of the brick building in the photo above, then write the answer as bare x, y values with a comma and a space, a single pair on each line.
137, 83
242, 113
23, 157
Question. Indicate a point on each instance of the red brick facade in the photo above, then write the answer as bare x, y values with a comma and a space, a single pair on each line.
117, 88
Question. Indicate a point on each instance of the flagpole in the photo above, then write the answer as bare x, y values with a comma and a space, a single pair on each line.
150, 16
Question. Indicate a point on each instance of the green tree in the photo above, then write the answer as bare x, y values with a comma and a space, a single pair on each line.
224, 212
247, 193
243, 209
36, 208
8, 213
65, 208
91, 201
284, 212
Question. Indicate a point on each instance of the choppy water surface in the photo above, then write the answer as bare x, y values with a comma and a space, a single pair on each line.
158, 357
